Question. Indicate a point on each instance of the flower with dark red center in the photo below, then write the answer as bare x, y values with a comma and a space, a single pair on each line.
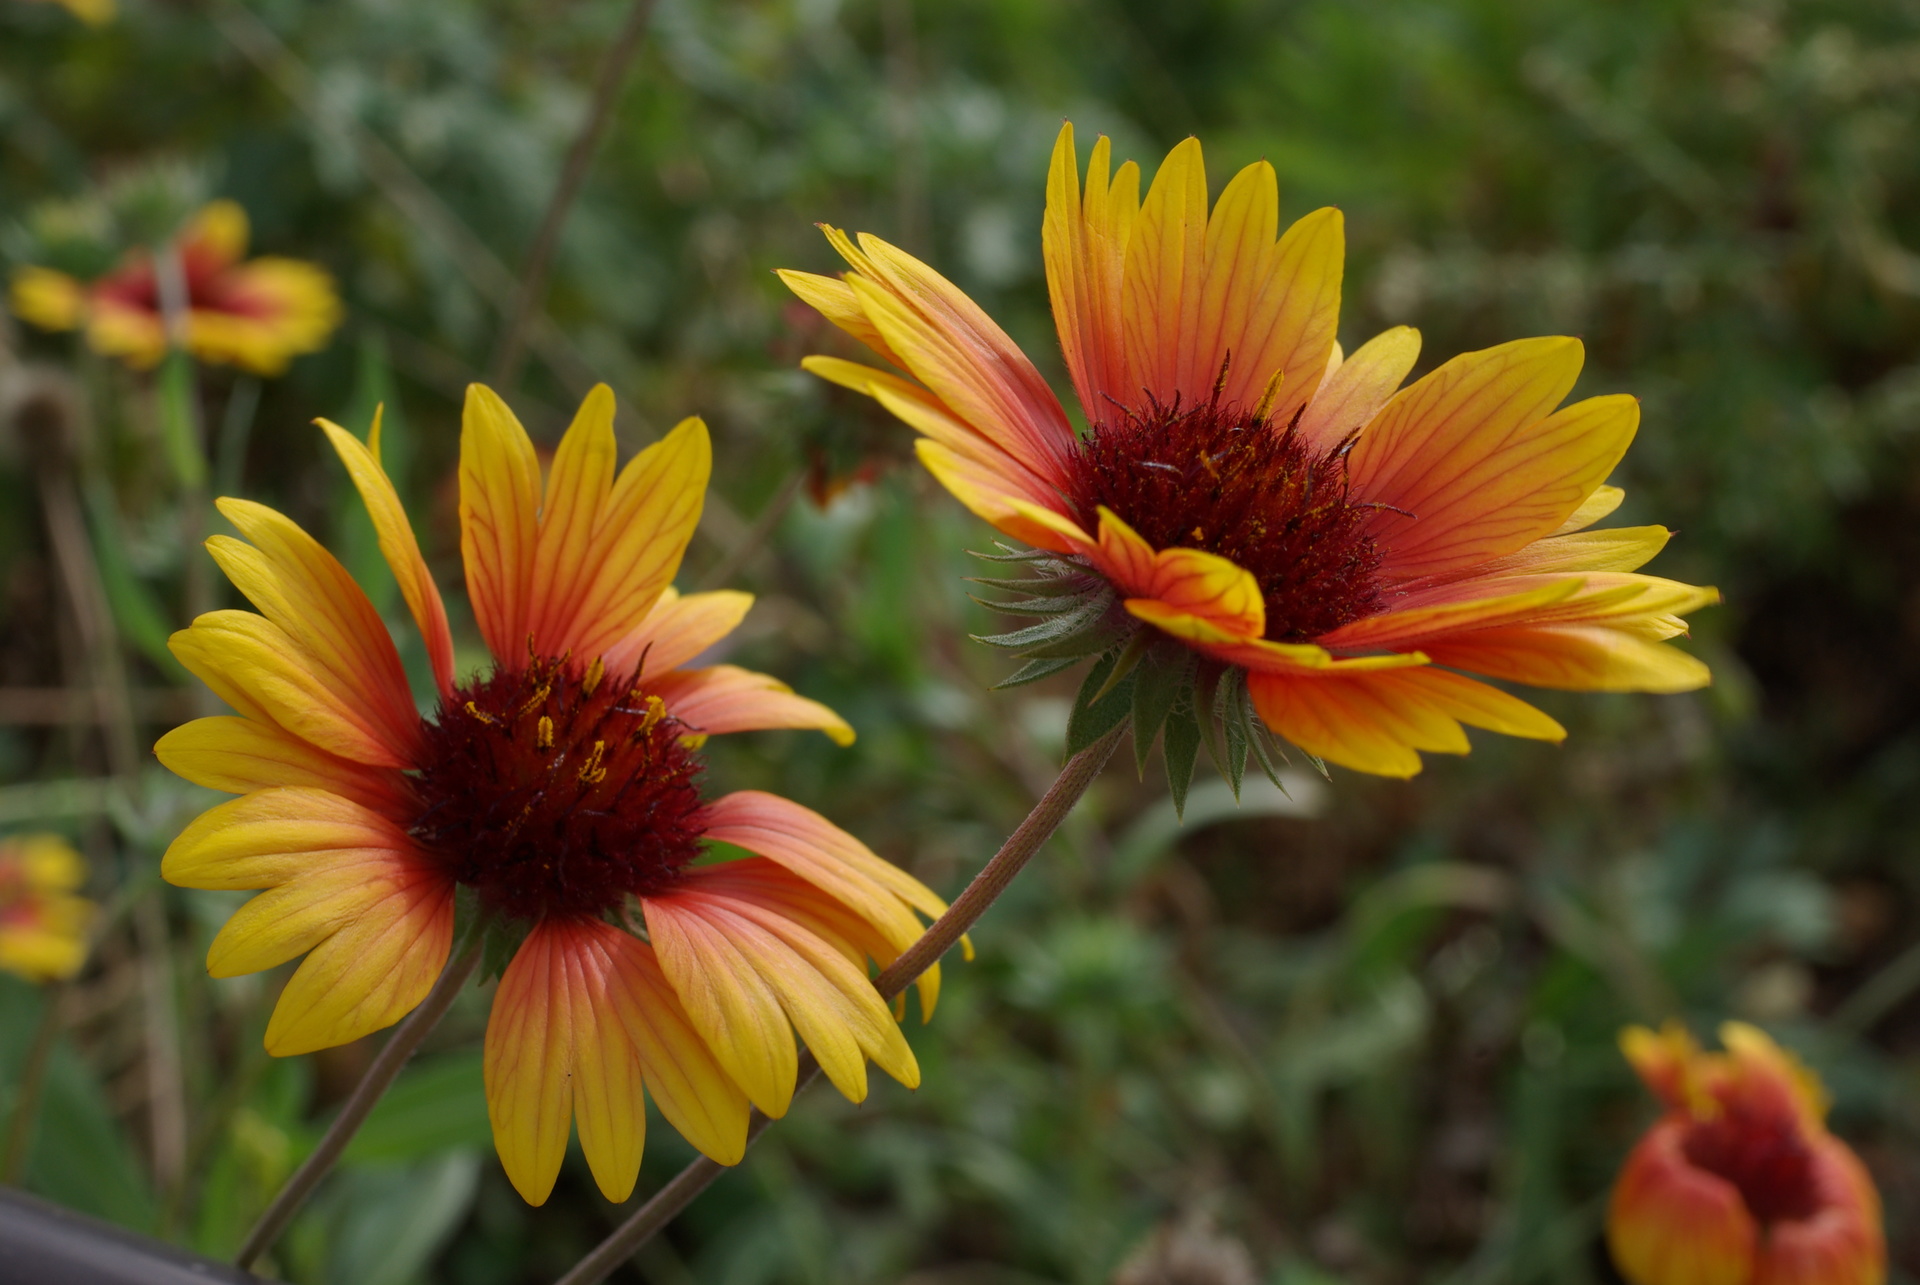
1739, 1183
43, 917
254, 313
1250, 521
560, 787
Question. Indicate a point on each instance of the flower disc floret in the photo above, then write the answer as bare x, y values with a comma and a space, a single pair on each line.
554, 792
1233, 483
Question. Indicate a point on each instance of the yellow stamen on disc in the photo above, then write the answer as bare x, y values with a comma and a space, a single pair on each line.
591, 773
534, 701
694, 740
1268, 398
656, 710
595, 672
480, 714
543, 736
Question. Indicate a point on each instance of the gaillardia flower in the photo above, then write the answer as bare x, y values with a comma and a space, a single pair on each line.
43, 919
1249, 518
1739, 1183
559, 791
258, 314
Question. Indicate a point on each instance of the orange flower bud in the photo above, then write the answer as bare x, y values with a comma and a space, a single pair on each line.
1739, 1183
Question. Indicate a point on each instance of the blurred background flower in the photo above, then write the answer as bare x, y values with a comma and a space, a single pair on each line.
1363, 1030
1740, 1181
257, 314
43, 919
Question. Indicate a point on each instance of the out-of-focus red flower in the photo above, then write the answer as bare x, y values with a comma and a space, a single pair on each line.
254, 313
1739, 1183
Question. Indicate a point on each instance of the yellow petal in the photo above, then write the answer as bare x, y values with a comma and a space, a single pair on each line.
1165, 276
269, 837
834, 299
1604, 500
527, 1064
641, 536
259, 669
499, 520
239, 756
1591, 658
1084, 242
1354, 391
302, 588
726, 698
1614, 549
678, 628
578, 484
737, 1013
1474, 464
368, 975
688, 1085
398, 546
1276, 306
608, 1107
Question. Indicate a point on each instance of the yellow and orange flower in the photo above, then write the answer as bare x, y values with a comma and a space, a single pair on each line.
43, 919
1739, 1183
560, 788
1287, 513
257, 314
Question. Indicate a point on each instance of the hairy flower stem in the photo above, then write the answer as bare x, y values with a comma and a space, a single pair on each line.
399, 1047
1032, 834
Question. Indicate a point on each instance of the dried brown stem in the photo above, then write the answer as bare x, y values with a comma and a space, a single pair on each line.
510, 349
1047, 814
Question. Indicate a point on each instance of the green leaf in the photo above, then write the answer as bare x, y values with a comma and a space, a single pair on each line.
1034, 670
1065, 627
438, 1104
1165, 675
1091, 719
1182, 749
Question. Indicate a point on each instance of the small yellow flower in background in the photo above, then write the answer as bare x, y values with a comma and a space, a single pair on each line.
95, 13
257, 314
561, 787
1739, 1183
43, 920
1268, 508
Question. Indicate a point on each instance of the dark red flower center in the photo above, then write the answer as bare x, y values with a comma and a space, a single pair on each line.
1234, 483
209, 285
557, 793
1764, 1155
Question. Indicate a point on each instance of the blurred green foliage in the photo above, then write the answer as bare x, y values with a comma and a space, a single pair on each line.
1362, 1035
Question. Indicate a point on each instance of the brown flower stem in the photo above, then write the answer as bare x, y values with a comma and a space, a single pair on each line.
511, 348
33, 1078
1032, 834
399, 1047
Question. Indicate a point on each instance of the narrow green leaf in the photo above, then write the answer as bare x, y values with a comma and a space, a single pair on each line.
1034, 670
1165, 675
1093, 718
1182, 745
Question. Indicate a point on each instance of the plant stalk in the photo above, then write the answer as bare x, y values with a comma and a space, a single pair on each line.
511, 348
33, 1079
399, 1047
1032, 834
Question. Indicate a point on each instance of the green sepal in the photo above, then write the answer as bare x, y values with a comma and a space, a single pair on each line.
1066, 628
1035, 606
500, 942
1092, 719
1182, 749
1043, 586
1219, 690
1035, 670
1165, 676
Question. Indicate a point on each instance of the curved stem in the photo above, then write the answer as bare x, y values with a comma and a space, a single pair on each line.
399, 1047
966, 910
